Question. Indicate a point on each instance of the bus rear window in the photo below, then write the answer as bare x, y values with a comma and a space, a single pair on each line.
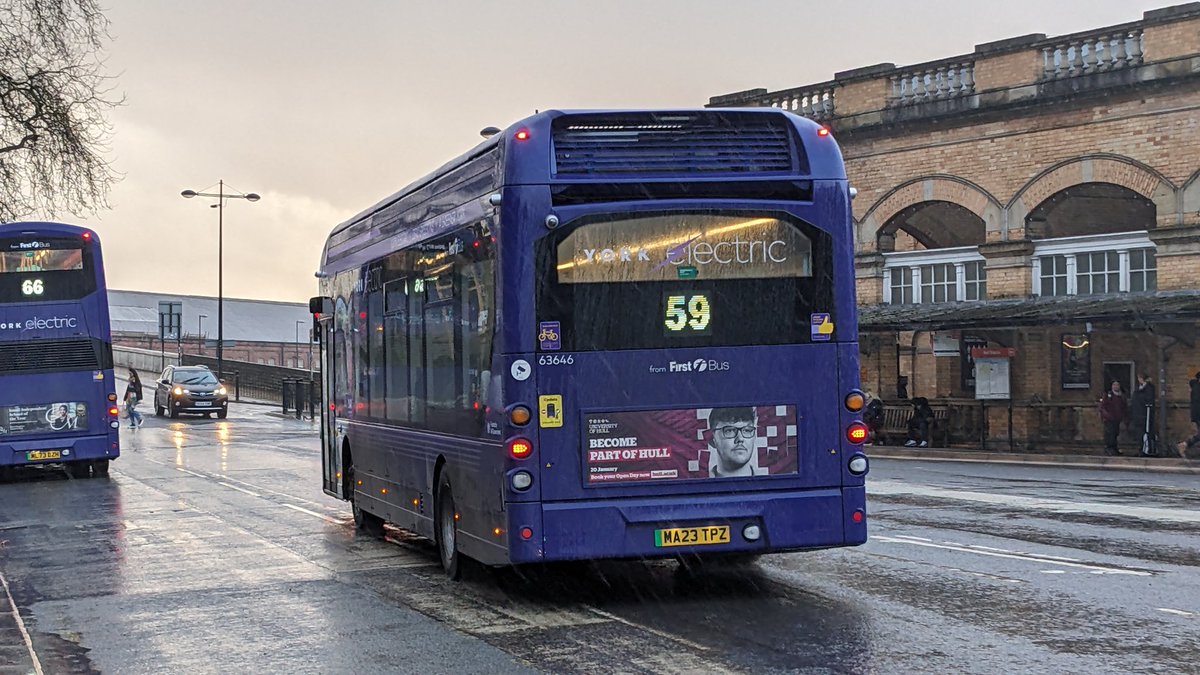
681, 279
44, 271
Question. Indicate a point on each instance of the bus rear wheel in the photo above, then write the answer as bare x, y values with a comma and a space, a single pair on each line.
367, 523
100, 467
80, 469
447, 531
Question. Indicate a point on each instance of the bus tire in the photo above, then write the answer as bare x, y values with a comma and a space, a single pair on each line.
80, 469
447, 531
6, 473
100, 468
365, 522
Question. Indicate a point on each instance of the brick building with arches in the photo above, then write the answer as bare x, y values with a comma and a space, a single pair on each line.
1039, 194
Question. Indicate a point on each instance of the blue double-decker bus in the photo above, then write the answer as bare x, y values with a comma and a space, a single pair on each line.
603, 334
57, 397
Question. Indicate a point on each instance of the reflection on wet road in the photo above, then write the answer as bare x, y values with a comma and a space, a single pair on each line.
211, 548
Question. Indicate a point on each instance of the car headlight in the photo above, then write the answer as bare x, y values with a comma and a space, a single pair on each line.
178, 391
221, 391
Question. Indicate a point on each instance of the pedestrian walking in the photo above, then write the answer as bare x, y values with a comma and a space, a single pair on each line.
1113, 410
1142, 418
133, 396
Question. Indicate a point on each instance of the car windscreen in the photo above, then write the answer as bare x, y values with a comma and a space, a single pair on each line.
682, 279
194, 377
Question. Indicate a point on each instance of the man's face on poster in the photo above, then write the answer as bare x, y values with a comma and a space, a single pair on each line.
734, 438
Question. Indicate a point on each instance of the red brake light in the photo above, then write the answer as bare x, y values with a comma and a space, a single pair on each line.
522, 135
823, 132
857, 433
113, 411
87, 236
520, 448
526, 533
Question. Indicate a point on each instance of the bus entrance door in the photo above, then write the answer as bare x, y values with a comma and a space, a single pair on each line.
331, 459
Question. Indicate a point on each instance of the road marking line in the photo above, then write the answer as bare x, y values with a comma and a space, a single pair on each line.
274, 492
234, 487
653, 631
313, 513
1017, 556
197, 475
37, 665
909, 536
1177, 612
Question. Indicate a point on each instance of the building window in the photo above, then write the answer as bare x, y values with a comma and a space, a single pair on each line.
1143, 271
902, 286
974, 281
939, 283
1054, 275
1097, 273
1114, 270
929, 277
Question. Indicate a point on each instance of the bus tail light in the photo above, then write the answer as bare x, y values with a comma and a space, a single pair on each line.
855, 401
526, 533
823, 132
520, 448
112, 398
522, 135
113, 411
520, 415
857, 433
858, 516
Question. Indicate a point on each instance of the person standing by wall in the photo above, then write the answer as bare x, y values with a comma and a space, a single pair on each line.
1195, 403
133, 395
1113, 410
1142, 419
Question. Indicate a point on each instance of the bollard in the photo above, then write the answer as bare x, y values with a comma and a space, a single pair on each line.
285, 393
296, 399
237, 385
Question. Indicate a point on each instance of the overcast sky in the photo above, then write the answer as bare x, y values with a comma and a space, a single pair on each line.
324, 108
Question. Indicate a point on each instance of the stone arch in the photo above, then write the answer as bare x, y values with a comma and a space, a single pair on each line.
1189, 200
1092, 169
935, 188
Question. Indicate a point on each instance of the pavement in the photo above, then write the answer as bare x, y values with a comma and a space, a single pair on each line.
1160, 464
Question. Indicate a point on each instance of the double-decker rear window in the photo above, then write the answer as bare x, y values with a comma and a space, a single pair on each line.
683, 278
44, 270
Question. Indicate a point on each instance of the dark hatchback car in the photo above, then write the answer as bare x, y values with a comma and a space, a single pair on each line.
190, 389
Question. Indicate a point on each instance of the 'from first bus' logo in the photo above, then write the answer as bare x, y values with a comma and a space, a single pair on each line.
38, 323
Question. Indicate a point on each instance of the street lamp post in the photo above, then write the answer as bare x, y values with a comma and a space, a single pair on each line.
221, 197
298, 324
200, 332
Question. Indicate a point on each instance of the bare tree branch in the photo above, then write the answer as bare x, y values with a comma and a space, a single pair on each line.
53, 105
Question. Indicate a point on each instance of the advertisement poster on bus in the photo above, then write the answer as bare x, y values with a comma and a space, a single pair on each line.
689, 444
45, 418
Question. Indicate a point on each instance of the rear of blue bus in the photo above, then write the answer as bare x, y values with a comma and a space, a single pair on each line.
688, 341
57, 397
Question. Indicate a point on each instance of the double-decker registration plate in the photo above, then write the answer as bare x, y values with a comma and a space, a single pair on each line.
42, 455
692, 536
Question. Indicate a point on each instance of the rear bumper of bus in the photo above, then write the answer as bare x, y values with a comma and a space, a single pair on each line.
71, 449
628, 528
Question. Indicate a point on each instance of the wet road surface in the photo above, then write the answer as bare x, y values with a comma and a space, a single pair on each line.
211, 548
